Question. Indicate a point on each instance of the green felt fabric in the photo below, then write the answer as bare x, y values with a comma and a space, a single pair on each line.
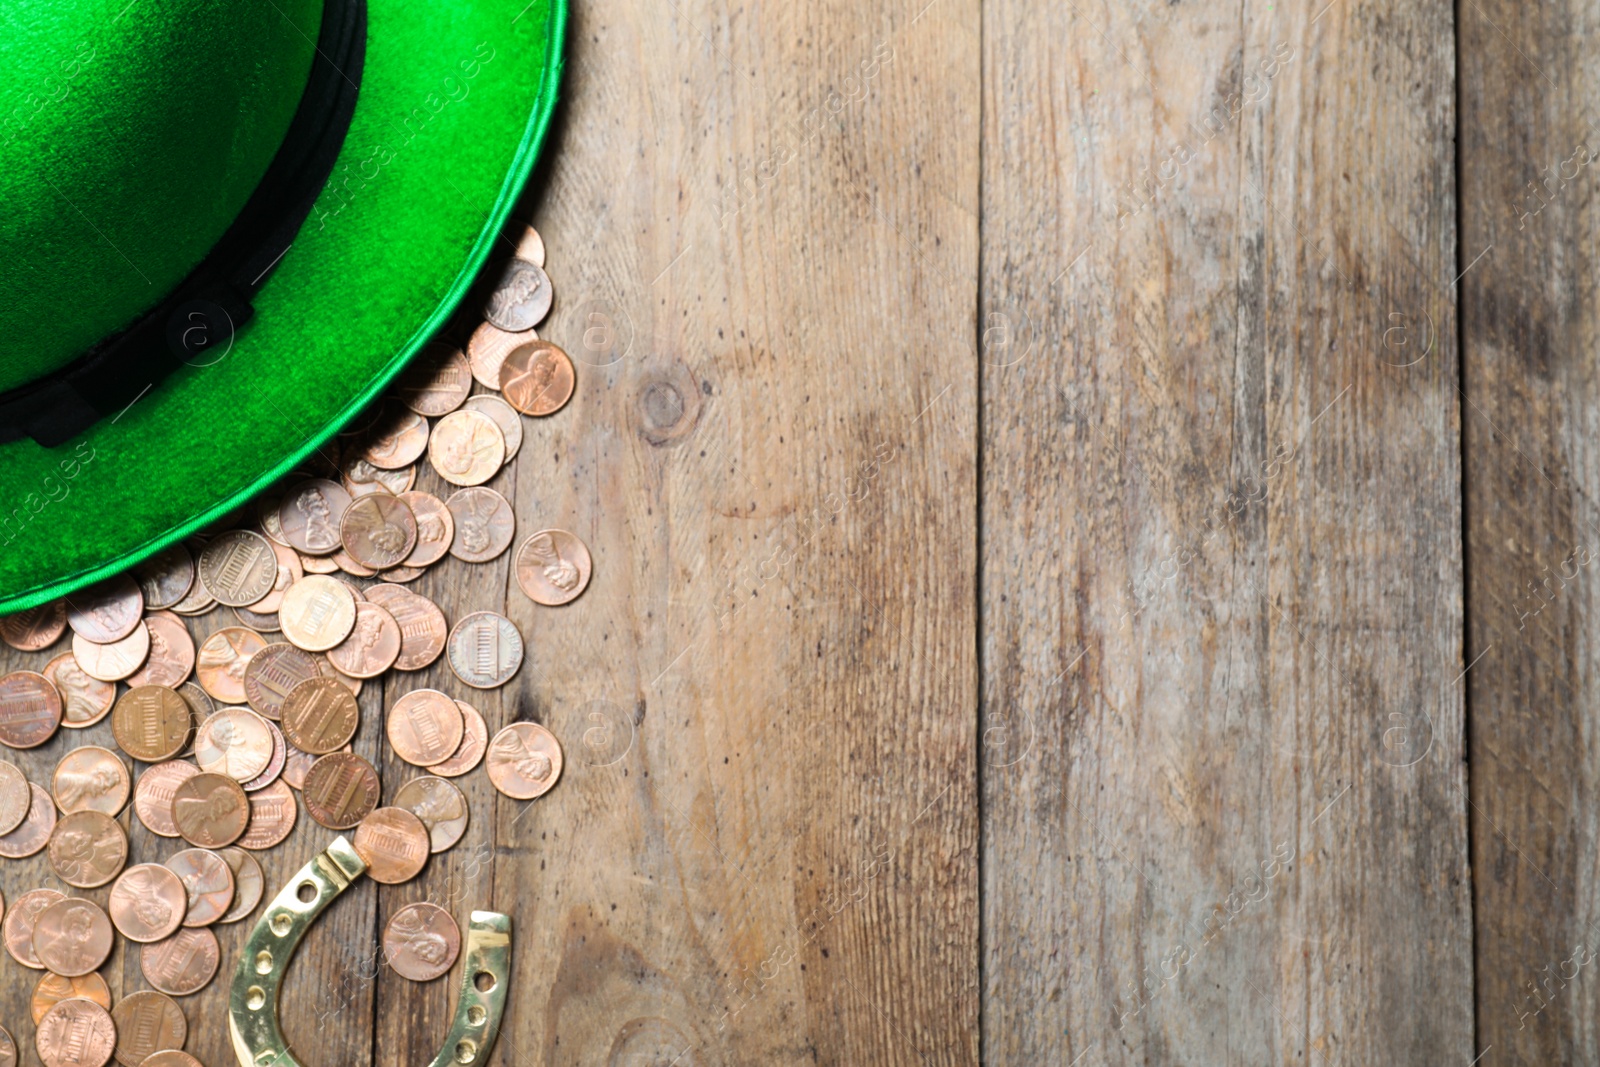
455, 102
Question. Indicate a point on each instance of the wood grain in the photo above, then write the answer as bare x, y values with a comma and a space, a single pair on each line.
1221, 583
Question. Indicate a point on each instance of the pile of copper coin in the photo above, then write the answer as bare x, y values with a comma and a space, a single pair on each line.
231, 738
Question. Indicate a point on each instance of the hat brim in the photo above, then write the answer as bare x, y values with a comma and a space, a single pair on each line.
455, 101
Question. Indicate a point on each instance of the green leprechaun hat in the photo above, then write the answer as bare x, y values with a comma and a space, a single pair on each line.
225, 226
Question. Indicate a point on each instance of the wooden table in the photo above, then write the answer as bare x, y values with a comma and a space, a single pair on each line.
1062, 478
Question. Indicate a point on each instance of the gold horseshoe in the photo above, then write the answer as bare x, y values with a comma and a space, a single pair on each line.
253, 1000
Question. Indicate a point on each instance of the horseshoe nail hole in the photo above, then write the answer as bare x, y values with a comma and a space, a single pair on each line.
281, 923
476, 1015
307, 892
466, 1050
255, 997
263, 962
484, 981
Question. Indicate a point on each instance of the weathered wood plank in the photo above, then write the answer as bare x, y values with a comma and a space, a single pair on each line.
1221, 583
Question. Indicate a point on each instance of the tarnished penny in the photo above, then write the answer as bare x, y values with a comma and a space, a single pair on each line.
76, 1033
379, 531
435, 527
183, 963
423, 631
340, 789
166, 577
235, 742
274, 767
224, 658
15, 797
488, 347
91, 779
153, 794
248, 883
151, 723
485, 524
18, 927
320, 716
210, 810
30, 709
485, 650
208, 883
436, 382
553, 567
147, 1023
440, 805
474, 742
309, 515
115, 661
35, 629
196, 602
398, 441
467, 448
85, 700
148, 902
421, 942
53, 989
172, 654
273, 673
239, 568
318, 612
524, 760
87, 849
34, 831
272, 815
537, 378
254, 620
504, 415
394, 843
522, 299
372, 646
107, 611
72, 937
424, 727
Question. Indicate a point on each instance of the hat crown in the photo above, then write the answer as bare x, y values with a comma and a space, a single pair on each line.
131, 134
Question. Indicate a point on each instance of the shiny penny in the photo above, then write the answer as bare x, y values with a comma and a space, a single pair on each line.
151, 723
474, 742
30, 709
441, 806
106, 612
154, 792
273, 673
239, 568
436, 382
435, 527
18, 926
210, 810
208, 883
372, 646
424, 727
235, 742
272, 816
72, 937
248, 883
524, 760
379, 531
423, 631
85, 700
280, 756
522, 299
35, 629
148, 902
289, 572
52, 989
182, 964
531, 247
76, 1033
298, 763
15, 797
485, 524
394, 843
537, 379
488, 347
504, 415
34, 832
398, 441
403, 574
166, 577
91, 779
87, 849
224, 658
467, 448
309, 516
319, 564
320, 716
349, 566
364, 479
553, 567
340, 789
172, 654
485, 650
147, 1023
421, 942
115, 661
318, 612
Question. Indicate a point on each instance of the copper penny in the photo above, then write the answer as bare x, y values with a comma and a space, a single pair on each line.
318, 565
394, 843
72, 937
153, 795
201, 707
379, 531
553, 567
361, 478
151, 723
8, 1048
255, 620
320, 716
15, 797
224, 657
484, 521
436, 382
147, 1023
522, 298
531, 247
424, 727
298, 763
196, 602
91, 779
248, 883
488, 347
340, 790
537, 379
210, 810
474, 742
441, 806
208, 883
272, 815
280, 756
52, 989
272, 675
404, 574
309, 516
289, 572
421, 942
85, 700
318, 612
182, 964
106, 612
115, 661
35, 829
423, 631
372, 646
18, 926
467, 448
172, 654
35, 629
166, 577
87, 849
524, 760
435, 528
30, 709
235, 742
76, 1033
171, 1057
148, 902
239, 568
504, 415
398, 441
485, 650
349, 566
352, 684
